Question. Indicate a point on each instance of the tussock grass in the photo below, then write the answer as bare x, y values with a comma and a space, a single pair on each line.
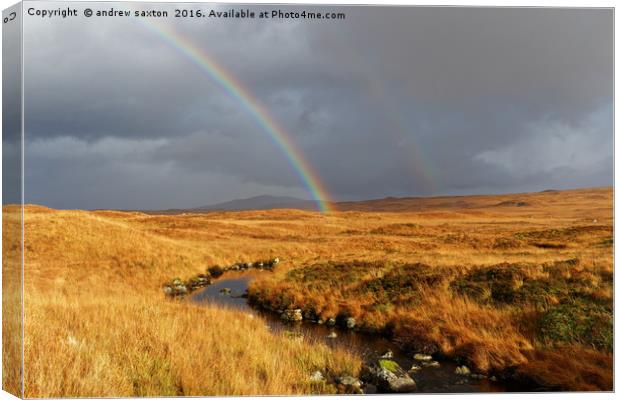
98, 324
11, 301
464, 277
151, 347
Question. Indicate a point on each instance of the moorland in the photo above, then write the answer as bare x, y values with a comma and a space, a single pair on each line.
517, 285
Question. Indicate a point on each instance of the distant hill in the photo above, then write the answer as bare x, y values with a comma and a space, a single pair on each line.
260, 203
521, 201
498, 202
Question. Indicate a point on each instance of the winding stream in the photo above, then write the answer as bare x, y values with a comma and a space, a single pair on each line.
440, 379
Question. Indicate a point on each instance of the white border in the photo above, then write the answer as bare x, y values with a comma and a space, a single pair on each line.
482, 3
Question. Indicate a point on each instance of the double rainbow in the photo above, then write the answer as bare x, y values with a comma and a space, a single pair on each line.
252, 105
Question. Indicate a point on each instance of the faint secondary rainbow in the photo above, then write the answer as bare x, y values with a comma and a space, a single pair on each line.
237, 91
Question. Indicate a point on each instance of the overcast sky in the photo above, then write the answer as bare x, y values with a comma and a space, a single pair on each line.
389, 102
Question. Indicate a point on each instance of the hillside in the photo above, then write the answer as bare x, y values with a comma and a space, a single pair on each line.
260, 203
98, 324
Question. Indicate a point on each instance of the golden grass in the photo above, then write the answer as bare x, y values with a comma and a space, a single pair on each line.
94, 302
97, 323
11, 301
131, 346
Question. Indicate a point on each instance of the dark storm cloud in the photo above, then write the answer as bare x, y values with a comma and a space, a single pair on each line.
390, 102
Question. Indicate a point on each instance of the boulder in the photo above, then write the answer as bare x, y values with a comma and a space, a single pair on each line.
422, 357
292, 315
332, 335
414, 368
389, 377
275, 261
462, 370
199, 281
348, 380
351, 384
225, 291
388, 354
215, 271
317, 377
331, 321
431, 364
404, 384
179, 290
350, 322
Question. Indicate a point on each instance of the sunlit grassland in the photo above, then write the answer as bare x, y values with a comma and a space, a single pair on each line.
515, 282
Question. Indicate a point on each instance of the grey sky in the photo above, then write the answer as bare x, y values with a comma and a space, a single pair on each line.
390, 102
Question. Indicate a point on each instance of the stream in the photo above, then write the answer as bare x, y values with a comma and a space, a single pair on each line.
440, 379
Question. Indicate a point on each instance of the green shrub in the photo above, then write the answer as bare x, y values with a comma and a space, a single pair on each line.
578, 322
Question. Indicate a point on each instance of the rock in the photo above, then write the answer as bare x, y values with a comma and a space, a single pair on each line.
431, 364
320, 321
461, 382
390, 377
292, 315
350, 322
235, 267
388, 354
493, 378
332, 335
351, 384
317, 377
478, 376
215, 271
199, 281
180, 290
275, 261
403, 384
177, 288
414, 368
331, 321
225, 291
422, 357
348, 380
462, 370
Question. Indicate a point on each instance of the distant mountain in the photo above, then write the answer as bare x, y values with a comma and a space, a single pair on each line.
260, 203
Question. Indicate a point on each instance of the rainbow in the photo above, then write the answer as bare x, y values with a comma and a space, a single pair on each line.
419, 164
252, 105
